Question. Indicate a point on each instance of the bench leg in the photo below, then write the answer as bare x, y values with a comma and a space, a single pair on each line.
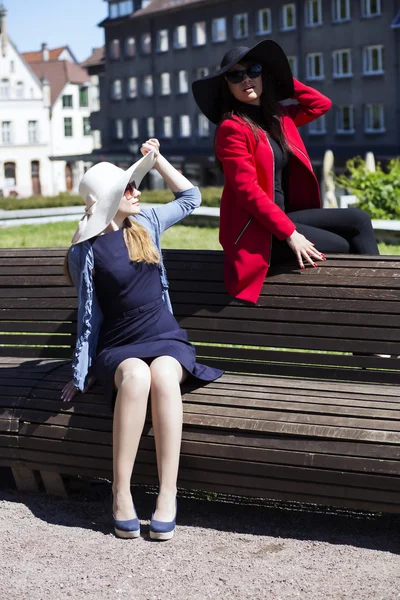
25, 479
53, 483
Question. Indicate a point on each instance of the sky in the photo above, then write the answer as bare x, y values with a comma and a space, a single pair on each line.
70, 23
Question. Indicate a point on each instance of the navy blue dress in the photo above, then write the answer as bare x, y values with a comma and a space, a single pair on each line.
137, 323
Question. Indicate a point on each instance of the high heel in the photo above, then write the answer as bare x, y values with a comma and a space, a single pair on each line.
163, 530
128, 529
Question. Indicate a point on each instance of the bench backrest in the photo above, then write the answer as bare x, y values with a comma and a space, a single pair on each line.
307, 323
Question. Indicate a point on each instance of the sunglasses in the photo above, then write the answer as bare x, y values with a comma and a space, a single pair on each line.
130, 187
237, 76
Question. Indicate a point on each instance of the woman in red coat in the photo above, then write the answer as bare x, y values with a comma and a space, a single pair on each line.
270, 207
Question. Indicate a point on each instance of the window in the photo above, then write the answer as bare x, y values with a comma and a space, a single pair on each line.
162, 40
313, 13
345, 119
341, 10
199, 34
116, 89
374, 118
114, 50
131, 91
33, 133
68, 127
145, 43
35, 168
6, 136
86, 126
133, 129
10, 173
165, 84
202, 72
264, 21
118, 129
288, 17
180, 37
315, 66
240, 26
148, 85
12, 66
218, 29
183, 84
317, 127
371, 8
373, 60
130, 47
150, 127
342, 63
184, 126
5, 89
203, 126
20, 91
293, 65
67, 101
83, 96
120, 9
166, 130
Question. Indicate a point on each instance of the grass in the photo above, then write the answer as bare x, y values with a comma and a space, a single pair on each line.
58, 235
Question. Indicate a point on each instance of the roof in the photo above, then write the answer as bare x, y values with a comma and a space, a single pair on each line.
96, 58
59, 73
36, 57
157, 6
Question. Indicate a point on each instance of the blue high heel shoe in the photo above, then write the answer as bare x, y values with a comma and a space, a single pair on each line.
163, 530
128, 529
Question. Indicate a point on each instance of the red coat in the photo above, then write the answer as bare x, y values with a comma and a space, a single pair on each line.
249, 216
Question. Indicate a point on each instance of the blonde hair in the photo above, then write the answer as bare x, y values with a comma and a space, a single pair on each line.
138, 242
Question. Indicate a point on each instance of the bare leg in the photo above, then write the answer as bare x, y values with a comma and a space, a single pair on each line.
166, 406
132, 379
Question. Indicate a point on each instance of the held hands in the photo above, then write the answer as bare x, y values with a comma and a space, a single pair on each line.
151, 144
69, 390
303, 248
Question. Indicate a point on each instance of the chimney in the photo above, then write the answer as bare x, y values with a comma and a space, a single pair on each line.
3, 30
45, 52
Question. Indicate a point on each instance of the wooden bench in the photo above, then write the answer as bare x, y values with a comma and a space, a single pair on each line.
297, 416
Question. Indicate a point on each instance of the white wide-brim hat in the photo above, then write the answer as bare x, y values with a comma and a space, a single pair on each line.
102, 188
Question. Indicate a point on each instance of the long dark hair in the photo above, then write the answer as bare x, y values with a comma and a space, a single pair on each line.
271, 111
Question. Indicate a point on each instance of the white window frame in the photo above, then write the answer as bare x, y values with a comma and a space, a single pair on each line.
183, 82
337, 16
260, 21
202, 72
165, 84
133, 128
185, 126
309, 7
293, 62
150, 127
116, 89
167, 130
118, 129
199, 33
71, 121
5, 89
218, 30
285, 9
145, 43
86, 128
310, 66
20, 90
115, 44
340, 119
180, 37
148, 86
131, 88
366, 9
203, 126
318, 126
6, 132
130, 42
33, 132
162, 40
240, 20
337, 59
367, 60
368, 118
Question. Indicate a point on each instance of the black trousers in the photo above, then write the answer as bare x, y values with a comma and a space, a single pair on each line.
332, 230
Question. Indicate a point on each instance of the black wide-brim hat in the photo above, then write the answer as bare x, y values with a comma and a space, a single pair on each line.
207, 91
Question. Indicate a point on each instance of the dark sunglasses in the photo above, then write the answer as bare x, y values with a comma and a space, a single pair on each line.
237, 76
130, 187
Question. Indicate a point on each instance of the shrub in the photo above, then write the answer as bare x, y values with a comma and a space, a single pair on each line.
378, 191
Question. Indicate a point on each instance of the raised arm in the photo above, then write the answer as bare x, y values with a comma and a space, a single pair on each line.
311, 104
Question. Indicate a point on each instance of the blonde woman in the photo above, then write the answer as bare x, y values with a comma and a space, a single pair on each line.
127, 334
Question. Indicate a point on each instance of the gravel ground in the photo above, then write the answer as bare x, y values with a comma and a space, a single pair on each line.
56, 549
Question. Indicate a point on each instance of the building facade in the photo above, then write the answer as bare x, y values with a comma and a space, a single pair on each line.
154, 49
